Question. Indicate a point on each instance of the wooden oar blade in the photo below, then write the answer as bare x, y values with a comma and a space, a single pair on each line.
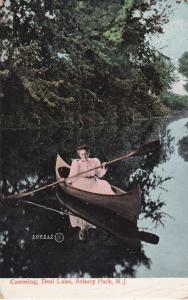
148, 147
142, 150
149, 237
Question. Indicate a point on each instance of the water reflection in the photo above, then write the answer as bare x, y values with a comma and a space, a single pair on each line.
23, 256
183, 146
28, 160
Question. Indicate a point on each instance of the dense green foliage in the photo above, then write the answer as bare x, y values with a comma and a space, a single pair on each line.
76, 61
183, 67
176, 102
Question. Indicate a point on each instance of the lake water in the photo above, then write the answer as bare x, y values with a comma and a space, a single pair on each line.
28, 159
170, 257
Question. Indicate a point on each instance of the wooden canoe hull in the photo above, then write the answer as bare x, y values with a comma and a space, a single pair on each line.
105, 219
126, 205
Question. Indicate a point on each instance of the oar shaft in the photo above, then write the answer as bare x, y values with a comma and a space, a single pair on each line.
81, 173
21, 195
121, 158
42, 188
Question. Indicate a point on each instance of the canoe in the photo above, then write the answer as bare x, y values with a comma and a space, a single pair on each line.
124, 204
105, 219
100, 216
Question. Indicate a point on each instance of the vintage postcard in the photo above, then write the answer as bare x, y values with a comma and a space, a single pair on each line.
93, 149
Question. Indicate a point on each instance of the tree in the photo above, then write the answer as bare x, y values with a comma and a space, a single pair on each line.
69, 58
183, 67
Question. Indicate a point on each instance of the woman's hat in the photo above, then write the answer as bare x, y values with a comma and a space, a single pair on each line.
82, 147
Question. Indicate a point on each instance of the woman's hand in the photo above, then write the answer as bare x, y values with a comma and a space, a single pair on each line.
69, 182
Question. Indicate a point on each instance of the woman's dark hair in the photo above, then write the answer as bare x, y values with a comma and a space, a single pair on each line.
82, 147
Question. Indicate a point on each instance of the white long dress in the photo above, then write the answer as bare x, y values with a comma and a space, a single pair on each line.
88, 182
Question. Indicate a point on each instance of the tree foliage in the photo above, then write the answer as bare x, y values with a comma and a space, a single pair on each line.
81, 60
183, 67
176, 102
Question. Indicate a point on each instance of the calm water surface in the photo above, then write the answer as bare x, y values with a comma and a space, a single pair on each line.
27, 160
170, 257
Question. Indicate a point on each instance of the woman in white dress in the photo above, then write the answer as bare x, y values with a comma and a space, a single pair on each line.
89, 181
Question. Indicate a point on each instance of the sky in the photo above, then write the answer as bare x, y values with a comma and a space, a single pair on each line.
174, 42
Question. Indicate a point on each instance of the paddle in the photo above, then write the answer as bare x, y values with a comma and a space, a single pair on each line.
148, 147
145, 148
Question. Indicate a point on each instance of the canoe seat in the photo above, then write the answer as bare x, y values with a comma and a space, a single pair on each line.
63, 172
